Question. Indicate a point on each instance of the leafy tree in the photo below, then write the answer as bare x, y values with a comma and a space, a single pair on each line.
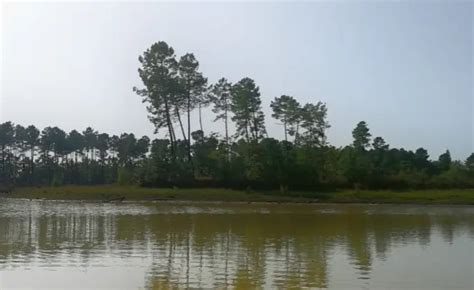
160, 167
220, 96
379, 156
141, 148
247, 110
77, 142
470, 163
203, 149
278, 161
379, 144
32, 141
444, 160
361, 136
421, 154
315, 123
159, 74
356, 166
125, 147
193, 85
103, 143
20, 138
90, 141
7, 134
421, 159
287, 110
53, 139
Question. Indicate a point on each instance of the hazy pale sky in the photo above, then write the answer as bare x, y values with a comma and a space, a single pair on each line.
406, 68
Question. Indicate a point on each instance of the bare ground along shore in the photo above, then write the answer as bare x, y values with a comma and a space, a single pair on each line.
107, 193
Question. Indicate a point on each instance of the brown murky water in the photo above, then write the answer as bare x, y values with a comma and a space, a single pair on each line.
73, 245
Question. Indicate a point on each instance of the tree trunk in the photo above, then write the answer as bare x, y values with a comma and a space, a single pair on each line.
170, 129
284, 125
3, 159
226, 136
247, 131
253, 127
181, 124
32, 164
297, 132
200, 119
189, 128
173, 133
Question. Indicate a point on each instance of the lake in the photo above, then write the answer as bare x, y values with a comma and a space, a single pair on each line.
77, 245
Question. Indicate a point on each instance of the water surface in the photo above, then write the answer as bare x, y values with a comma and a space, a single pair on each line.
74, 245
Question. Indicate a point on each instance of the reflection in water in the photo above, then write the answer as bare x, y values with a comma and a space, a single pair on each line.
240, 246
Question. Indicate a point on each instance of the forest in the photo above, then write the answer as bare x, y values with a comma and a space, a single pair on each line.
247, 158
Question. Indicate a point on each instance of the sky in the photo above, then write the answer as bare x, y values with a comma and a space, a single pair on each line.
404, 67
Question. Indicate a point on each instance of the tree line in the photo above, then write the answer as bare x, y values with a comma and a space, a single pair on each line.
172, 89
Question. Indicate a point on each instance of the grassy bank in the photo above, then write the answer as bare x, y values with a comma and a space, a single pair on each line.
115, 192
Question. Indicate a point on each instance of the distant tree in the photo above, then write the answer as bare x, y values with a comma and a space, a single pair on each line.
20, 138
422, 154
287, 110
193, 85
66, 147
361, 136
315, 123
77, 142
58, 138
160, 172
7, 135
103, 143
379, 144
295, 130
444, 160
220, 96
32, 141
421, 159
247, 109
203, 149
469, 163
53, 139
159, 74
90, 141
203, 100
141, 148
126, 145
113, 145
278, 163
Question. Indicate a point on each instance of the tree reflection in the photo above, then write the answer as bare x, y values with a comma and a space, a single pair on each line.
240, 248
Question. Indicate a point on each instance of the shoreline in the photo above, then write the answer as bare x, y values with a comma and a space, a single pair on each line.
216, 202
116, 194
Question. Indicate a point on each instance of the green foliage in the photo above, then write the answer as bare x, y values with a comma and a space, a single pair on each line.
314, 121
264, 164
124, 176
444, 161
287, 110
246, 106
361, 136
162, 92
57, 180
379, 144
220, 96
470, 163
172, 88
